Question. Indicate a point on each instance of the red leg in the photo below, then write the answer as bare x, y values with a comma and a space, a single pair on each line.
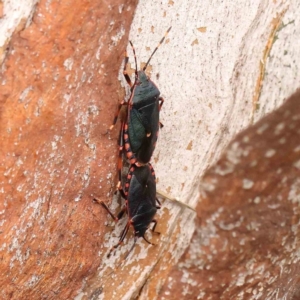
152, 170
122, 237
161, 102
117, 114
120, 214
120, 161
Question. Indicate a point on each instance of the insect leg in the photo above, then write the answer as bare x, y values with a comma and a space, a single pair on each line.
120, 214
154, 226
161, 102
120, 161
159, 204
152, 170
127, 78
117, 114
148, 241
122, 237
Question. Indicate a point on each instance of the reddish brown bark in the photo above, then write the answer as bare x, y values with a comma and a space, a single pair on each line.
59, 92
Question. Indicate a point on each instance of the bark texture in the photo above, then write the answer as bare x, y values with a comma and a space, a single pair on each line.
247, 237
59, 92
223, 66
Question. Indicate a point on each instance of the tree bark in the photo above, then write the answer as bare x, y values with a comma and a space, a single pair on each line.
222, 67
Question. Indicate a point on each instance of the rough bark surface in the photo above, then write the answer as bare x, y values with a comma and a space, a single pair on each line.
224, 65
247, 237
58, 95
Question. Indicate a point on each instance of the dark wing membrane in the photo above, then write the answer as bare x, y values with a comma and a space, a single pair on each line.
142, 122
136, 130
149, 116
135, 195
142, 196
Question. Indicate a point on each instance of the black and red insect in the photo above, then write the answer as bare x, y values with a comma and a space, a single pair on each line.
141, 203
139, 129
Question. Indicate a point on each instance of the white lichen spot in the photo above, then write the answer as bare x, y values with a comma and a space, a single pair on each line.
297, 164
246, 139
296, 117
224, 170
93, 110
116, 38
86, 175
274, 206
92, 146
90, 79
33, 281
297, 149
19, 162
67, 97
234, 153
262, 128
98, 52
253, 226
282, 141
209, 186
78, 198
241, 280
83, 77
201, 295
247, 184
68, 64
54, 145
294, 194
256, 200
279, 128
246, 152
121, 8
24, 94
270, 153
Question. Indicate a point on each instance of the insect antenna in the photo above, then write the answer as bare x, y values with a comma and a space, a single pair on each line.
136, 71
146, 65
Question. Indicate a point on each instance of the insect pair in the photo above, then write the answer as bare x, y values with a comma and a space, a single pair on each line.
138, 136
